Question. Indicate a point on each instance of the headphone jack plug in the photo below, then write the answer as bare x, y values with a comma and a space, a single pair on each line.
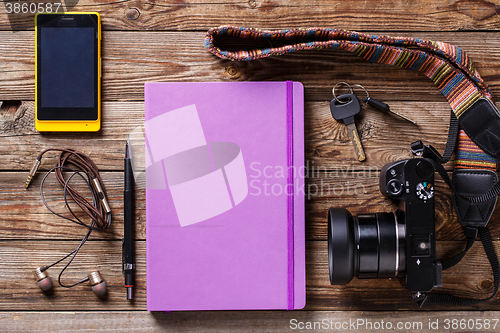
33, 170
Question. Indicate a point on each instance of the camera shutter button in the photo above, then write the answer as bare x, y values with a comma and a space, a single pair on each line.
425, 169
394, 187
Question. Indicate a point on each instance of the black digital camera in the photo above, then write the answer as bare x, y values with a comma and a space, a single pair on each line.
386, 245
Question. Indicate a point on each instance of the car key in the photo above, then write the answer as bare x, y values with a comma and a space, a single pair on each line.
344, 108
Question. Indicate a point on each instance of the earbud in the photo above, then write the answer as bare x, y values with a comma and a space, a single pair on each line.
98, 284
43, 280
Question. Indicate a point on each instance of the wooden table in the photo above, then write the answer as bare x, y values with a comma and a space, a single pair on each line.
157, 40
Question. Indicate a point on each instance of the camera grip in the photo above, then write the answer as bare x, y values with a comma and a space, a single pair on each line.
470, 183
481, 122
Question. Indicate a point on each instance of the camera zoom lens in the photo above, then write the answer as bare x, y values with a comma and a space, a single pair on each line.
366, 246
341, 258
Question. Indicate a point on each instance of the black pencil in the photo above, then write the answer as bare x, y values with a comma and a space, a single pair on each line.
128, 235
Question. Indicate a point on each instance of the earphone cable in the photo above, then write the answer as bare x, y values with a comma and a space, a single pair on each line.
97, 209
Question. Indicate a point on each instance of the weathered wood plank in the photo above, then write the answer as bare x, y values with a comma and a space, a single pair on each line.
248, 321
335, 178
25, 217
18, 290
22, 257
361, 15
132, 58
361, 195
322, 294
30, 237
333, 174
385, 137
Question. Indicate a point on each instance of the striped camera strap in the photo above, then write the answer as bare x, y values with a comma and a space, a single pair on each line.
448, 66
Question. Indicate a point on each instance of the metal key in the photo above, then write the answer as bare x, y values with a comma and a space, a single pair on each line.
344, 108
385, 107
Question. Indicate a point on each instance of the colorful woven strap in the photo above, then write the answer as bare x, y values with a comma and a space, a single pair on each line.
446, 65
470, 156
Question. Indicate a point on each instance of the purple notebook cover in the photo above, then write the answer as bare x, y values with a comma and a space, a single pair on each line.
225, 196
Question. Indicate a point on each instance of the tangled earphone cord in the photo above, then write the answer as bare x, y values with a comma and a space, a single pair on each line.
98, 209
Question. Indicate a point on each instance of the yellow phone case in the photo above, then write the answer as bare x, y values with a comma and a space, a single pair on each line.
70, 125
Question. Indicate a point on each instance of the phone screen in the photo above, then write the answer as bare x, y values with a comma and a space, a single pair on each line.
67, 61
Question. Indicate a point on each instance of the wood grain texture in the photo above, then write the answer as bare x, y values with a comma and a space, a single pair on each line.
200, 15
241, 321
379, 293
334, 177
162, 40
25, 217
385, 137
131, 59
21, 292
18, 290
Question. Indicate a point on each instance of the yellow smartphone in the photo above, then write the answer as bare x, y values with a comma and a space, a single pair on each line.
68, 72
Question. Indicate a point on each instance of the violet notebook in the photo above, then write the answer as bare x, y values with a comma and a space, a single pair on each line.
225, 196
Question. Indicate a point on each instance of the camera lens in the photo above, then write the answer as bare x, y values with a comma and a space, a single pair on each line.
341, 260
366, 246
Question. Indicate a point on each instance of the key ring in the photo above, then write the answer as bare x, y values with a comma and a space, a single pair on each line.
349, 91
366, 92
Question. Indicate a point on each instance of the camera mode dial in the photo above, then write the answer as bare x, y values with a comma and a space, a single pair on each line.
424, 191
